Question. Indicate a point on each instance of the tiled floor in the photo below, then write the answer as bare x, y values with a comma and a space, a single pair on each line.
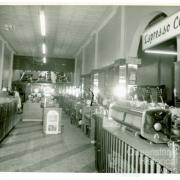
27, 149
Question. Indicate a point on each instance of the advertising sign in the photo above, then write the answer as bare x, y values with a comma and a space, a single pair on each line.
162, 31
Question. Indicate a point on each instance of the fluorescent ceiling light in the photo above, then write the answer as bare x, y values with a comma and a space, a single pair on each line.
43, 48
161, 52
42, 23
44, 59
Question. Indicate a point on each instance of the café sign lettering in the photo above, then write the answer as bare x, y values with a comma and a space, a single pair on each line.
162, 31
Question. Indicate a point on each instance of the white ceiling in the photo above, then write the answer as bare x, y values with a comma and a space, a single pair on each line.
67, 28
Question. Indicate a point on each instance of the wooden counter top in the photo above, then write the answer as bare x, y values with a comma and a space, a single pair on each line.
4, 100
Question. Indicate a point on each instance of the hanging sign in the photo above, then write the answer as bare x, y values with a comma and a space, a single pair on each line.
162, 31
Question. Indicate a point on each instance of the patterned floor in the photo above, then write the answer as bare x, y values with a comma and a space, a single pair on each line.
27, 149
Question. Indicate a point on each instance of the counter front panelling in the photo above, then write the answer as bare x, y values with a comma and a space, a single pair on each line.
8, 108
119, 151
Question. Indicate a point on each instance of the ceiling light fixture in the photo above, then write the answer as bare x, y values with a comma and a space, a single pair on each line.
161, 52
42, 23
43, 48
44, 59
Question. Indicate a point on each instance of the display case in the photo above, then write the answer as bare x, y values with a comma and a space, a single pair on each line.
95, 86
125, 79
70, 99
91, 96
149, 93
108, 80
101, 83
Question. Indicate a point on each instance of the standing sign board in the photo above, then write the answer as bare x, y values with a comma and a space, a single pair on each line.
52, 120
162, 31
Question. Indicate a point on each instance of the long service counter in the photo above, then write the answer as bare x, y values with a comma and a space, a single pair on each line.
127, 141
118, 150
8, 117
80, 114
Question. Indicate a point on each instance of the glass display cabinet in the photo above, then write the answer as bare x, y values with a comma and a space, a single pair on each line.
125, 79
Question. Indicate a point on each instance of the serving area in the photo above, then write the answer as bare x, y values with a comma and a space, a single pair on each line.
132, 127
119, 150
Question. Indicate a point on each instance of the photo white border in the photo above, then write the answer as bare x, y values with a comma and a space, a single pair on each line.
86, 176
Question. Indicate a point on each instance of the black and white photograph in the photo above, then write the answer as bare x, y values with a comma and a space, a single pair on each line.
90, 88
